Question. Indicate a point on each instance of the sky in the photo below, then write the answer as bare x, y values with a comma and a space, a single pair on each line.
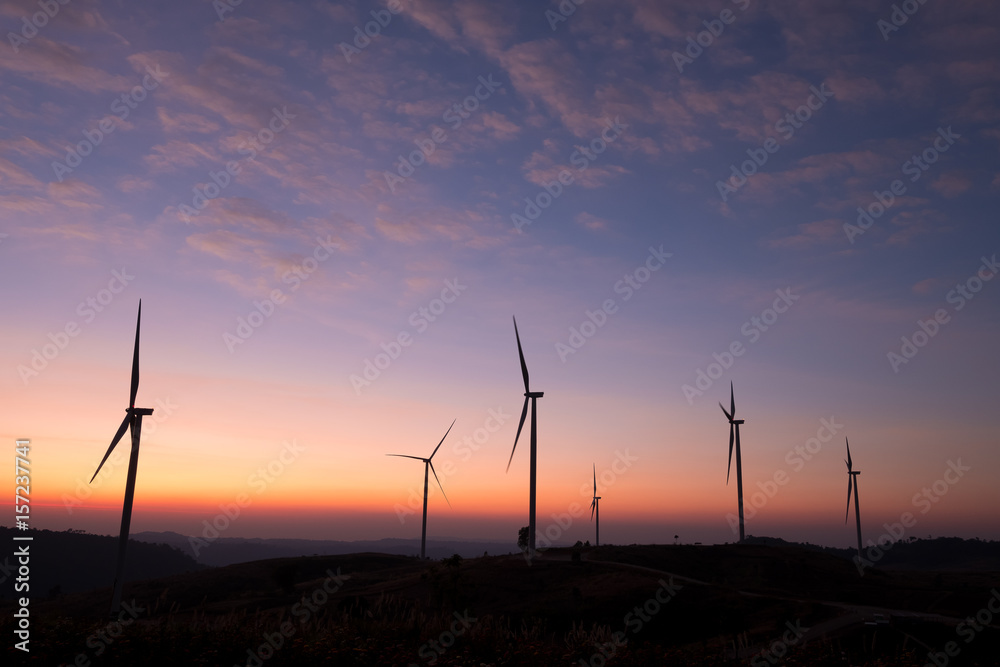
331, 211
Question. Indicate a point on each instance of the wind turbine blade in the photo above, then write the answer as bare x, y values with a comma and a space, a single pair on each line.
439, 482
524, 367
728, 416
524, 413
850, 486
731, 427
442, 439
593, 506
732, 401
407, 456
595, 479
118, 436
849, 463
135, 361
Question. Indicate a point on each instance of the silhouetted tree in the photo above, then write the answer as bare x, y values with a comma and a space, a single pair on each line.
522, 539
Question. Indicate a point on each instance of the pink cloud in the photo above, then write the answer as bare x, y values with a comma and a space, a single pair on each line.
915, 223
500, 126
545, 71
130, 184
591, 222
925, 287
13, 176
543, 167
61, 65
951, 184
72, 192
176, 154
810, 234
464, 226
180, 122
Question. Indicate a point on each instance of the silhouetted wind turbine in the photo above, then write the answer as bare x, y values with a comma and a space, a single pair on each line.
734, 428
133, 422
852, 484
428, 464
595, 511
532, 396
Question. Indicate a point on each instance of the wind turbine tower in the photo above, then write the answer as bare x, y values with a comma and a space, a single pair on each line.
852, 484
428, 466
132, 422
734, 429
595, 511
531, 396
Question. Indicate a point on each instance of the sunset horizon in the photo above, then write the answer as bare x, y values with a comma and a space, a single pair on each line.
258, 259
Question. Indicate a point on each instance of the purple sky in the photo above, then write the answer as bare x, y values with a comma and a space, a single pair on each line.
330, 233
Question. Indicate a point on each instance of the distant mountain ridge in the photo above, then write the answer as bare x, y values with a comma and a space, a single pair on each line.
224, 551
74, 561
935, 554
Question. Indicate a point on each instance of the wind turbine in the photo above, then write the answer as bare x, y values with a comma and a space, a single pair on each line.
852, 484
532, 396
734, 428
595, 511
428, 464
132, 422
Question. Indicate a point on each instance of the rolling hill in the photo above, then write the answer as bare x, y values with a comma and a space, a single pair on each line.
614, 605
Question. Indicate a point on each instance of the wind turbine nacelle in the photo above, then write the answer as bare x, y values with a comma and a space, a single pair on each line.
534, 394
